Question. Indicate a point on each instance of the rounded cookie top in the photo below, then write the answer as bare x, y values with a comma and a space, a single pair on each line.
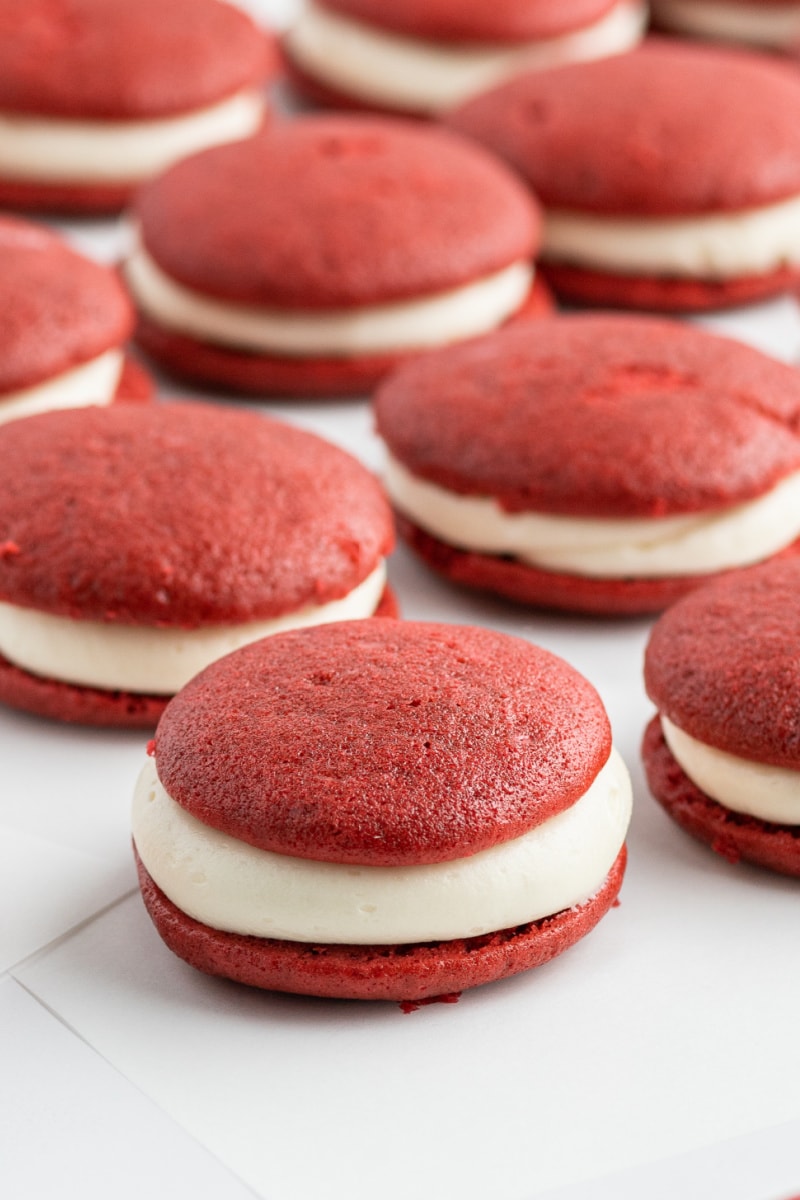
57, 308
597, 416
474, 20
339, 212
723, 664
101, 59
382, 743
181, 515
666, 130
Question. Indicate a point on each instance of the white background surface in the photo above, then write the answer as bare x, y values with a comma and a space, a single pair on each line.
660, 1057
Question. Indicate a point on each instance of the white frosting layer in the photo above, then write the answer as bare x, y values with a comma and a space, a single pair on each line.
760, 24
707, 247
757, 789
60, 150
92, 383
229, 885
407, 325
408, 73
148, 660
602, 548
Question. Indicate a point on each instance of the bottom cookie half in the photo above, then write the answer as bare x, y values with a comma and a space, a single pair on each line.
560, 592
272, 375
400, 973
735, 836
666, 294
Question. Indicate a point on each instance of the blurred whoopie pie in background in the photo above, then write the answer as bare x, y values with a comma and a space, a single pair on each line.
670, 176
723, 754
64, 322
608, 465
98, 95
422, 58
310, 259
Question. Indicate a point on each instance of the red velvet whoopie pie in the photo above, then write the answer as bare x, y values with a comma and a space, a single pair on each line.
607, 466
380, 810
140, 542
670, 176
723, 755
64, 322
423, 58
361, 242
98, 95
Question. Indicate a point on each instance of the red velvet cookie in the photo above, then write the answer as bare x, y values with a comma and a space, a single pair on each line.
391, 754
138, 543
97, 95
695, 202
424, 58
63, 324
362, 241
723, 755
609, 466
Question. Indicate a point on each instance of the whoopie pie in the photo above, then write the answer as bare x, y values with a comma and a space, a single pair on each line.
723, 754
140, 542
64, 322
312, 258
98, 95
381, 810
422, 58
670, 176
609, 464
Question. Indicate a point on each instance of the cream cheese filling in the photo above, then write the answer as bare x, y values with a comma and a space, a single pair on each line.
759, 24
149, 660
232, 886
92, 383
375, 329
753, 788
603, 548
62, 150
409, 73
717, 247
